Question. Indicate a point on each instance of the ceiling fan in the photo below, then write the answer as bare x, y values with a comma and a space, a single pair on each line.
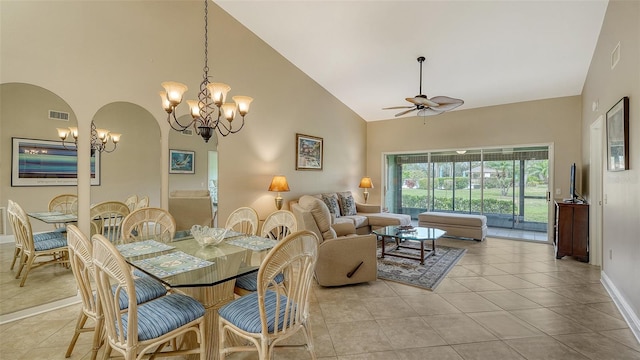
425, 106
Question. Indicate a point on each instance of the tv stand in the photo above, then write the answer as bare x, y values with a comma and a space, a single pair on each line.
572, 230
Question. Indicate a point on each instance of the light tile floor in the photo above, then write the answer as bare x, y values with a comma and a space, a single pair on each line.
504, 300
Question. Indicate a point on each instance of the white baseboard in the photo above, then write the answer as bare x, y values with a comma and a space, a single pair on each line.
39, 309
5, 239
623, 305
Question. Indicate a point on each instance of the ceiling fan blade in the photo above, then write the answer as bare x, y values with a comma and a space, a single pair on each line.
419, 100
406, 112
446, 103
429, 112
398, 107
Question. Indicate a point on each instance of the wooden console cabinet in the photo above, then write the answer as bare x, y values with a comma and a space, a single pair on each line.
572, 230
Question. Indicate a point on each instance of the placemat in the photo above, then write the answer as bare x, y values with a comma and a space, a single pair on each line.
254, 243
171, 264
142, 248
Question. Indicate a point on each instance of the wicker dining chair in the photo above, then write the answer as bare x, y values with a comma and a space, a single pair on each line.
131, 201
143, 202
80, 255
148, 223
52, 245
244, 220
142, 328
106, 218
278, 225
274, 312
64, 203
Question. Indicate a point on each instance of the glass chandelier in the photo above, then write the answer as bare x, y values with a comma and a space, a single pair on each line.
209, 111
99, 138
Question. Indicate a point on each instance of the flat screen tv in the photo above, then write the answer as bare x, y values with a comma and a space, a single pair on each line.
572, 185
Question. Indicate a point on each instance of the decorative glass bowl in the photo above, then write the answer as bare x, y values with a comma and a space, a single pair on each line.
206, 236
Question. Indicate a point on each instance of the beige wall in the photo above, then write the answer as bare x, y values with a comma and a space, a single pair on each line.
552, 121
95, 53
621, 210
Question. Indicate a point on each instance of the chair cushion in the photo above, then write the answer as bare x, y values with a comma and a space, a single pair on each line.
249, 282
147, 289
165, 314
358, 220
49, 240
48, 235
244, 313
347, 204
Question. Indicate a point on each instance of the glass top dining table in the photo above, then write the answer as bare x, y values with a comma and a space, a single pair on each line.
54, 217
184, 263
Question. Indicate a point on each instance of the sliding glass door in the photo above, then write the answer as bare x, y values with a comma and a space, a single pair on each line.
509, 186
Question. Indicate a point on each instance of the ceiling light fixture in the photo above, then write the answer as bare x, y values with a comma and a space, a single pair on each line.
210, 106
99, 138
461, 151
425, 106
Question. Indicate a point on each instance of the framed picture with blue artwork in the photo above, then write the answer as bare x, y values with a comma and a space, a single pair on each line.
48, 163
181, 162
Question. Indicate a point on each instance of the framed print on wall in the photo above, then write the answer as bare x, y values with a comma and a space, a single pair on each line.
618, 136
308, 152
181, 162
48, 163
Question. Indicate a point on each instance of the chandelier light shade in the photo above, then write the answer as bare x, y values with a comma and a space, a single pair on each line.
279, 184
99, 138
211, 111
365, 183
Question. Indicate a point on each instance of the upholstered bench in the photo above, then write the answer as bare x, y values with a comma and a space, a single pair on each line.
456, 225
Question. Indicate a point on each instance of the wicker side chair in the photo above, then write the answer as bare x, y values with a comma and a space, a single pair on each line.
143, 202
278, 225
80, 256
146, 223
64, 203
148, 327
274, 312
106, 217
244, 220
51, 245
131, 201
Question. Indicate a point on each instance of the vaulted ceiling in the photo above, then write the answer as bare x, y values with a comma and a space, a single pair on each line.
484, 52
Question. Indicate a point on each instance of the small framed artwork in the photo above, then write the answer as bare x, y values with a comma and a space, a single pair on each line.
308, 152
181, 162
618, 136
48, 163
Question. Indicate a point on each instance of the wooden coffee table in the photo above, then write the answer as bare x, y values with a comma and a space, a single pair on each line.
401, 236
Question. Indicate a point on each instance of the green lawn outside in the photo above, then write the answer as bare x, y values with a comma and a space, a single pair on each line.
535, 209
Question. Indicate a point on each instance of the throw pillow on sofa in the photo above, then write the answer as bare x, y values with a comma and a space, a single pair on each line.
332, 203
347, 204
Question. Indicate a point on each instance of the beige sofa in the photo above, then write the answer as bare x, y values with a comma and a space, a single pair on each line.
190, 207
366, 217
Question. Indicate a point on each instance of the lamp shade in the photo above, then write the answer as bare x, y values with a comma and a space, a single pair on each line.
366, 183
279, 183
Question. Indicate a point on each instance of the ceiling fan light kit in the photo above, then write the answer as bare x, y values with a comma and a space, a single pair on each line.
425, 106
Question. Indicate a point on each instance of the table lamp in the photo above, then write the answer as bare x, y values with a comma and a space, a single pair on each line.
279, 183
366, 183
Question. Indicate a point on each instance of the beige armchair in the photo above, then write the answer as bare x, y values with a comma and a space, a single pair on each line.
343, 256
191, 207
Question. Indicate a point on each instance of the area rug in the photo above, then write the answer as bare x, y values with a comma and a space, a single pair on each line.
410, 272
